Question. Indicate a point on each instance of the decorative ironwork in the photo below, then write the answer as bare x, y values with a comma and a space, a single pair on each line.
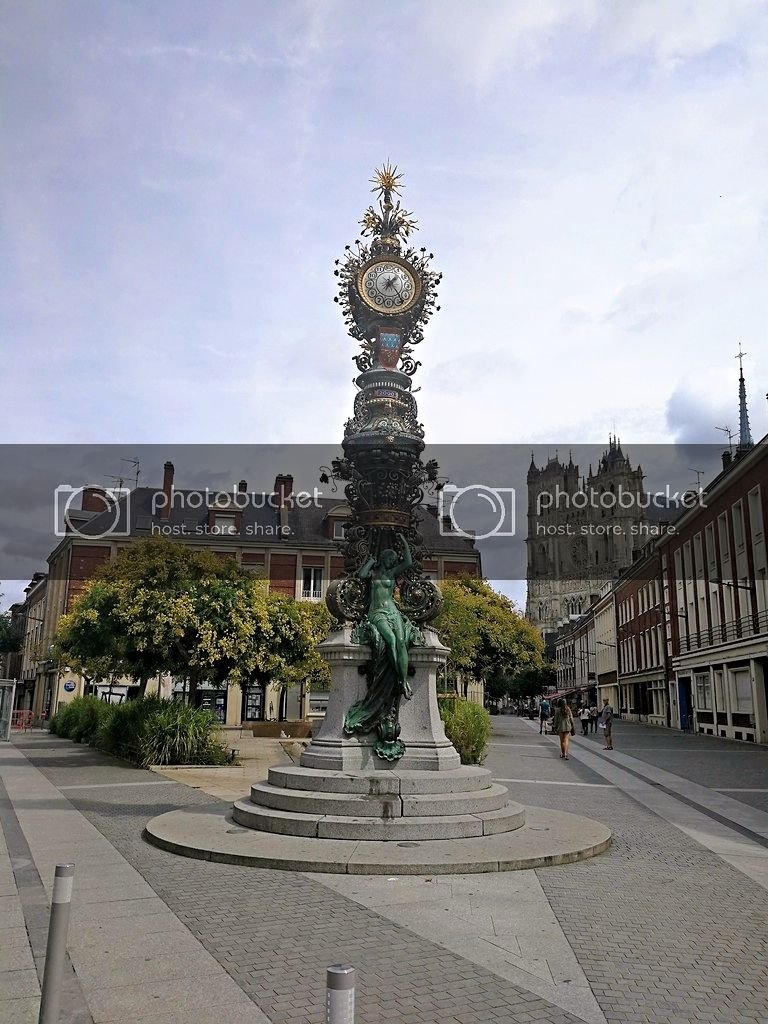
387, 294
383, 283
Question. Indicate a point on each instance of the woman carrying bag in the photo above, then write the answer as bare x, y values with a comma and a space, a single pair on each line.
563, 725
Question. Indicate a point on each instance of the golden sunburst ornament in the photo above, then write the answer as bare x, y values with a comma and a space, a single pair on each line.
386, 179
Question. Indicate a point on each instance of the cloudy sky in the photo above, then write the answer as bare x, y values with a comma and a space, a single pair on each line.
178, 178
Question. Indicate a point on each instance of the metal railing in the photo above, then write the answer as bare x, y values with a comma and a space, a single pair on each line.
743, 628
22, 720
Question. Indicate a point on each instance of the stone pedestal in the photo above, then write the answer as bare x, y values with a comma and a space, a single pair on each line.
342, 790
427, 747
344, 809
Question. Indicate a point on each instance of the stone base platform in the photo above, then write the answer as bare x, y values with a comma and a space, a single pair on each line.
546, 838
386, 805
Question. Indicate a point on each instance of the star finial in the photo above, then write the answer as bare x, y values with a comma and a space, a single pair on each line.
386, 179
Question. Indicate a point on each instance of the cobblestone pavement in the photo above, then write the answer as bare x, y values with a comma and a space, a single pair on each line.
275, 932
665, 931
740, 769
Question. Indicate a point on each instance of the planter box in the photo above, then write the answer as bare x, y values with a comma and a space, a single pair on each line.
273, 730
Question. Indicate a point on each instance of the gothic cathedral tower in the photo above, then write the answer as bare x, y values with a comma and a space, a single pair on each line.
581, 532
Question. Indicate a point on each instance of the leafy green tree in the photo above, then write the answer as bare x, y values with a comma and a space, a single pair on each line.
488, 637
10, 638
532, 682
161, 607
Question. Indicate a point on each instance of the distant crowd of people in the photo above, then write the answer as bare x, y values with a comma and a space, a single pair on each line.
561, 721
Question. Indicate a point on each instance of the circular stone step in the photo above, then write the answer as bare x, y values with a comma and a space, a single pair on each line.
546, 839
384, 807
465, 779
334, 826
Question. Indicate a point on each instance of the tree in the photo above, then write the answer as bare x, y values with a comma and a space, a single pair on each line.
161, 607
532, 682
488, 637
10, 638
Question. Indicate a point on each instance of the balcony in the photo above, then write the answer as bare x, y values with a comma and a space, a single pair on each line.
743, 628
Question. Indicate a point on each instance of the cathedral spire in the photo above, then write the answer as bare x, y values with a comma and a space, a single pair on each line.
745, 434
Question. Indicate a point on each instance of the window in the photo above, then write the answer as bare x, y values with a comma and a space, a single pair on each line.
742, 692
703, 691
312, 583
738, 525
224, 525
719, 692
339, 530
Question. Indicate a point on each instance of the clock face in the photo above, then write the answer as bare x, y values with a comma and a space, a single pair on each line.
388, 286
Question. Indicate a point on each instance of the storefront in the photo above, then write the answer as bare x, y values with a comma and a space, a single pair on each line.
253, 704
213, 700
725, 696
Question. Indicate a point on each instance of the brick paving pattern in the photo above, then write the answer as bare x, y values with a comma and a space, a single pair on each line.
275, 932
664, 930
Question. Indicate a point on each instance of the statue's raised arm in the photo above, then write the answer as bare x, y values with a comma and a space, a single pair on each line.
407, 561
365, 569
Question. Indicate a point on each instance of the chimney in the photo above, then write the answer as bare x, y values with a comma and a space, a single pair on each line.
727, 460
168, 471
95, 499
242, 486
283, 492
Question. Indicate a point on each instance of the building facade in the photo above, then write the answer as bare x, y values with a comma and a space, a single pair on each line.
293, 544
714, 575
641, 650
575, 659
606, 660
681, 637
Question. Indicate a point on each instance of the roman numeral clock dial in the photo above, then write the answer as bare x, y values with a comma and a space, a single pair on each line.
388, 287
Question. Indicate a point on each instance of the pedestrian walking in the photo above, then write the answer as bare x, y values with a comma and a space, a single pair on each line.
584, 716
593, 716
544, 712
562, 724
606, 724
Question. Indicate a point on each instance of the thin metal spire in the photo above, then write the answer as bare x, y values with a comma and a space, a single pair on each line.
745, 434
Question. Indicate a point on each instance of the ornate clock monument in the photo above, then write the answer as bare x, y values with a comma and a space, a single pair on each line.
380, 788
387, 293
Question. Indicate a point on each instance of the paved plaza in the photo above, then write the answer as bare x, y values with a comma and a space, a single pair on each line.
670, 925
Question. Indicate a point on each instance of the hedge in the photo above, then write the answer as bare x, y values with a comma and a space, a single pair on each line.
147, 731
468, 727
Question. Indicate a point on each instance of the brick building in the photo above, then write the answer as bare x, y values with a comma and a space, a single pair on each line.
290, 539
714, 575
681, 636
641, 650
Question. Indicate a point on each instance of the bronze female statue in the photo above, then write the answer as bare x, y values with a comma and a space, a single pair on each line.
389, 634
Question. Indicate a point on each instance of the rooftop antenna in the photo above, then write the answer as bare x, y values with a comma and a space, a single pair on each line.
120, 480
699, 474
729, 434
136, 467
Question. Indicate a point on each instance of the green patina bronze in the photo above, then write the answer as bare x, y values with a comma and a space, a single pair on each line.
389, 634
387, 292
